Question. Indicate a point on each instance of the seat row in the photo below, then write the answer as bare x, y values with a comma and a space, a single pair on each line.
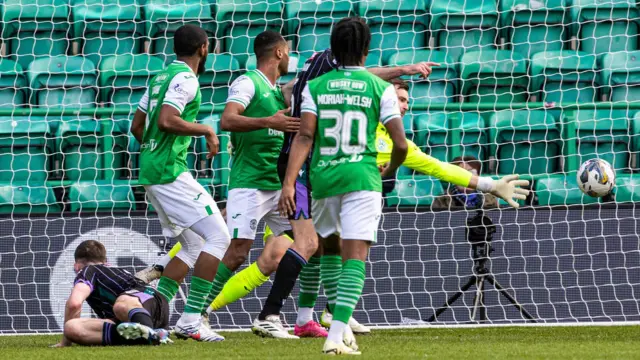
488, 76
37, 28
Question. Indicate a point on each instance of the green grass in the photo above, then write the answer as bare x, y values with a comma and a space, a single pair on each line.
608, 342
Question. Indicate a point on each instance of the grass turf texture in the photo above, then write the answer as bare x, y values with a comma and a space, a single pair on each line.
607, 342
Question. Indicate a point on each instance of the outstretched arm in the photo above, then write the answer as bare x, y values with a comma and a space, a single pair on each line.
391, 72
73, 308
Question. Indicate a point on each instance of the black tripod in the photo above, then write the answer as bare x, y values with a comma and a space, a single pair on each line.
479, 232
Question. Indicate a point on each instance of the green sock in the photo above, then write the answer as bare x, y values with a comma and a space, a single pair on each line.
222, 276
330, 270
197, 298
168, 288
309, 283
349, 289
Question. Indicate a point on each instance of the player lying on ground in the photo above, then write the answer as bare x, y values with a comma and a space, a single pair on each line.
347, 199
129, 313
164, 124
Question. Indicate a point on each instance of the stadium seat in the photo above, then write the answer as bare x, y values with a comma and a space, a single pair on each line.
605, 26
12, 84
296, 62
493, 76
107, 27
310, 22
603, 134
525, 142
442, 83
472, 134
239, 24
419, 190
79, 151
627, 188
219, 168
62, 81
564, 76
400, 25
24, 150
34, 29
432, 134
560, 190
530, 27
124, 78
105, 195
164, 17
461, 25
220, 71
621, 76
27, 199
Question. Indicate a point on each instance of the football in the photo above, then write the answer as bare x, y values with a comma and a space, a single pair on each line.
596, 178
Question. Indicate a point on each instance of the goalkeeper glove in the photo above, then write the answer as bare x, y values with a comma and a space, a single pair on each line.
509, 188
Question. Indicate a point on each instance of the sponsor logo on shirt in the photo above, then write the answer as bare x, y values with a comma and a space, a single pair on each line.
275, 133
233, 92
347, 84
180, 90
353, 159
266, 95
151, 145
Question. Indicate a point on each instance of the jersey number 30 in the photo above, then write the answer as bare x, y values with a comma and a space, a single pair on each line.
341, 132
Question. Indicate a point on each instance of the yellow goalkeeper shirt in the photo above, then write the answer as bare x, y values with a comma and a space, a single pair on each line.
419, 161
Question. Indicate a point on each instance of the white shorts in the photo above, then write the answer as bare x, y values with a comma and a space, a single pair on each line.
180, 204
245, 209
352, 216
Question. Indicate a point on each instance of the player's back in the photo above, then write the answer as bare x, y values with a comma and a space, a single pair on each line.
107, 283
163, 156
350, 102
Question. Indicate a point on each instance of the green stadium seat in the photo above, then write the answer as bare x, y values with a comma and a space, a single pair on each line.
296, 62
442, 83
400, 25
34, 29
63, 81
621, 76
124, 78
419, 190
432, 134
239, 24
493, 76
473, 134
24, 150
79, 151
311, 22
462, 25
627, 188
525, 142
12, 84
561, 190
107, 27
564, 76
635, 137
605, 26
164, 17
219, 168
27, 199
603, 134
529, 28
104, 196
133, 150
220, 71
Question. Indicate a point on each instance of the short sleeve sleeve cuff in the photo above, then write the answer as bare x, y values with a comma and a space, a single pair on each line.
389, 107
308, 105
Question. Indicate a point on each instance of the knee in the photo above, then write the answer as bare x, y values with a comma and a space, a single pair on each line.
268, 261
236, 254
73, 330
123, 305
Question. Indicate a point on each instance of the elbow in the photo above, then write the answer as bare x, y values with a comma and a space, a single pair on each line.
74, 306
224, 123
402, 147
163, 124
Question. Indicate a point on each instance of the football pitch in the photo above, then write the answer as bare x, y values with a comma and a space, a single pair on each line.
606, 342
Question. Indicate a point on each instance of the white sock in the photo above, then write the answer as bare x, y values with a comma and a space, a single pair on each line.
336, 330
164, 260
304, 316
190, 318
209, 310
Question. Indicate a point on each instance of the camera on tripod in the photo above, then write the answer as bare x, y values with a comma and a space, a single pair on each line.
479, 233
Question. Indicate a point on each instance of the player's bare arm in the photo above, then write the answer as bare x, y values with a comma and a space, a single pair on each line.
73, 307
170, 121
137, 125
233, 120
391, 72
300, 148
